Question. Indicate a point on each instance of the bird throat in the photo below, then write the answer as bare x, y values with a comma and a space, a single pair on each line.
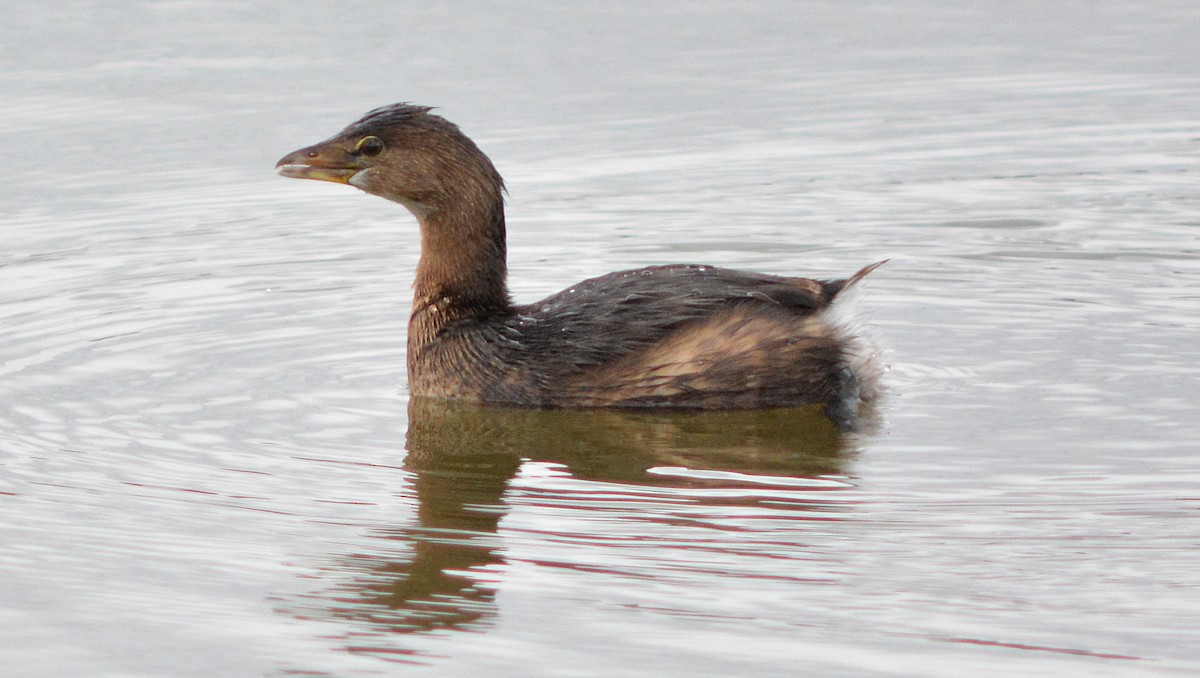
462, 273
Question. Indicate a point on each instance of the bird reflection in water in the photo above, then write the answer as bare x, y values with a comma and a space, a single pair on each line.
463, 457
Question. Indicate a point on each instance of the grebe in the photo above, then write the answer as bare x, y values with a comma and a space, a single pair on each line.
680, 336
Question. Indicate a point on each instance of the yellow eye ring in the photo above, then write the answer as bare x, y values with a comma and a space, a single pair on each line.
369, 146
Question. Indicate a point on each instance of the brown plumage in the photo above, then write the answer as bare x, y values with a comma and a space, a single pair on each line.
681, 336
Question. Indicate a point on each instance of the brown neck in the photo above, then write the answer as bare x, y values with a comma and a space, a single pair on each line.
462, 273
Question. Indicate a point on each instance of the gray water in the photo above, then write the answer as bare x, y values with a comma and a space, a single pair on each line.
209, 465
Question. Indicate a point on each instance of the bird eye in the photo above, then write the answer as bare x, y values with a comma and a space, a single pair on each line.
370, 146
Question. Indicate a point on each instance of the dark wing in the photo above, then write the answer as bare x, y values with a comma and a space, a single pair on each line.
604, 318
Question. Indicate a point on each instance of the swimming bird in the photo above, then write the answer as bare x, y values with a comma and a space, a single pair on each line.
676, 336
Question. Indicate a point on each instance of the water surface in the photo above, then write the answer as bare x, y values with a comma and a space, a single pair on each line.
209, 464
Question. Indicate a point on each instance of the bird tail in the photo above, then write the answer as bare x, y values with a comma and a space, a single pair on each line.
863, 363
835, 287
